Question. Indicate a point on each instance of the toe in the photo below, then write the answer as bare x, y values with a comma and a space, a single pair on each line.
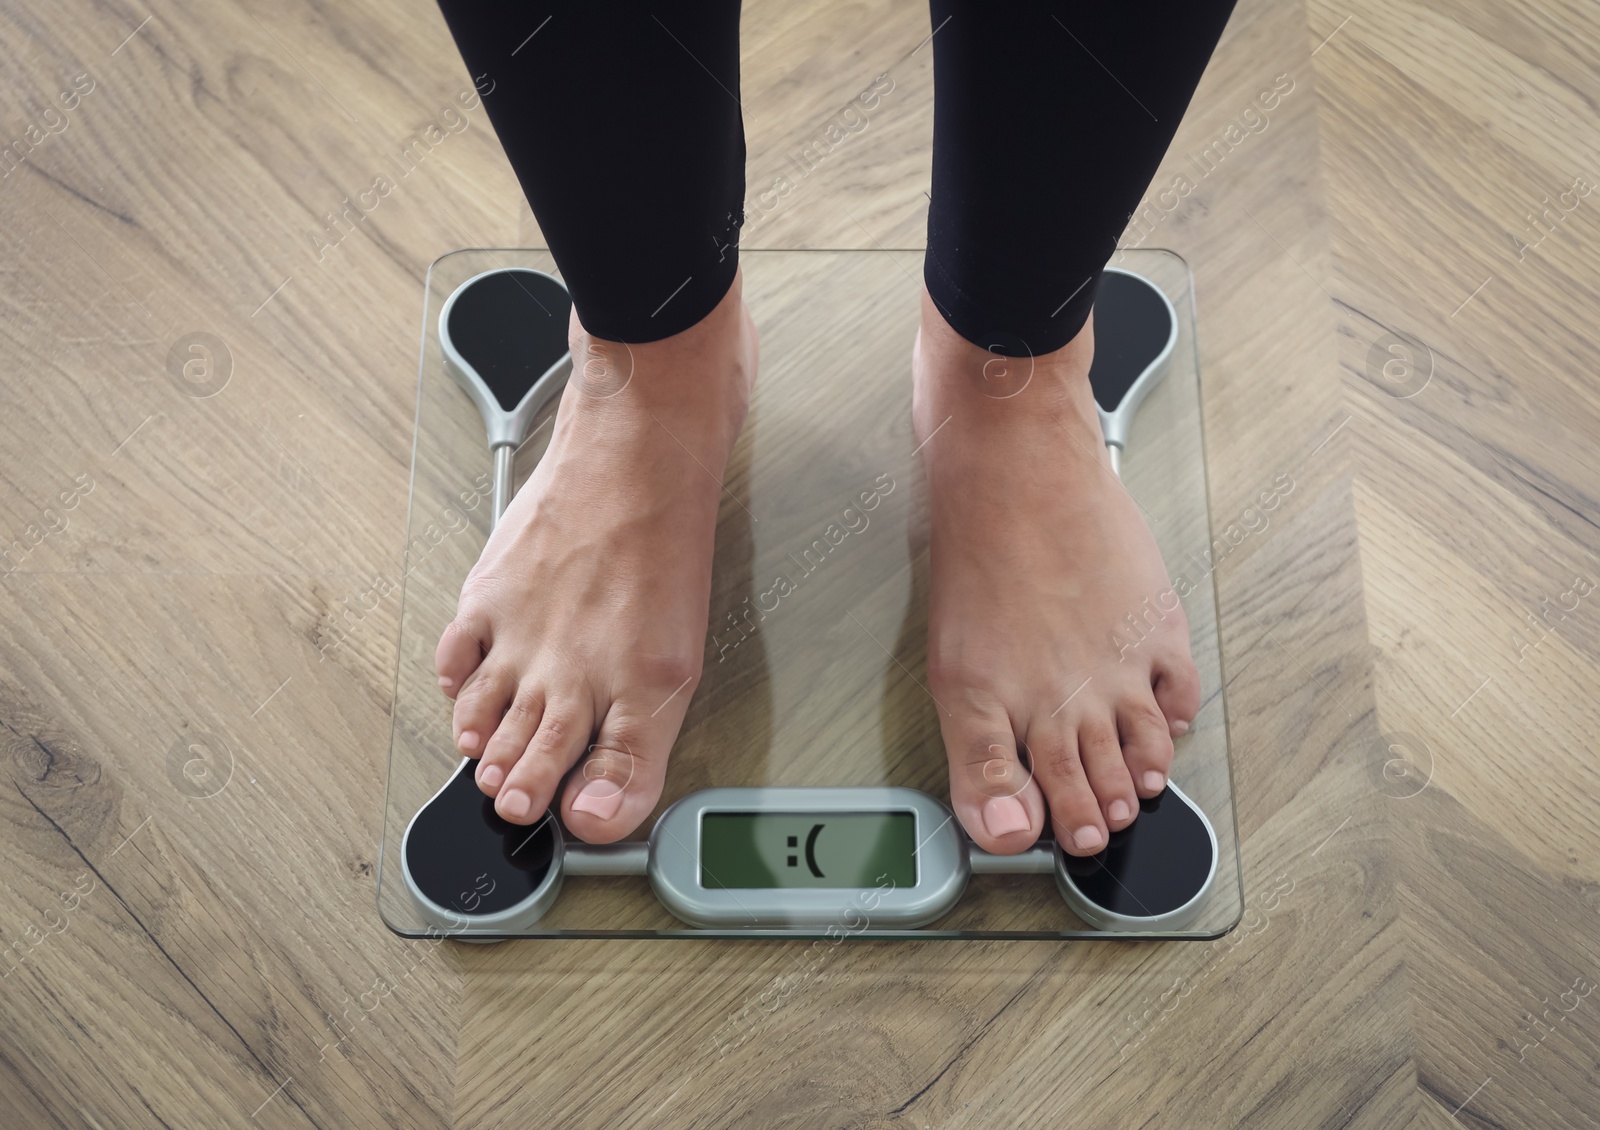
1074, 812
1146, 745
619, 780
991, 787
511, 737
461, 648
1177, 689
480, 703
530, 785
1100, 750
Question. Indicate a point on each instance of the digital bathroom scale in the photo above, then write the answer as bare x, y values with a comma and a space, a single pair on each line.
819, 815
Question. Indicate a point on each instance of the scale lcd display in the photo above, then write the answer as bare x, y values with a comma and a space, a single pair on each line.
782, 850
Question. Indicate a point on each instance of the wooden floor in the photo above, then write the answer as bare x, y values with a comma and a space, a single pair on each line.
1396, 287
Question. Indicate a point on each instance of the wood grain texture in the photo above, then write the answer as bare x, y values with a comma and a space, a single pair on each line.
195, 677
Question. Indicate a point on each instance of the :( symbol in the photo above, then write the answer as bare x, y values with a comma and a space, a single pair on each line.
811, 850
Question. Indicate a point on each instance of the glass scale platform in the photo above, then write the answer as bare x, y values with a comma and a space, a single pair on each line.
826, 688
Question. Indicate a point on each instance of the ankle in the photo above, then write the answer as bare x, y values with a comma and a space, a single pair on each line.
701, 375
953, 373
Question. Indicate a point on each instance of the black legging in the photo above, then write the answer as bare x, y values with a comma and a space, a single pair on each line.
623, 124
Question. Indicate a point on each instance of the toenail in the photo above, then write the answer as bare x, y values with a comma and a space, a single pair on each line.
599, 798
446, 682
1003, 815
1119, 809
490, 776
515, 803
1086, 838
468, 740
1154, 781
1180, 727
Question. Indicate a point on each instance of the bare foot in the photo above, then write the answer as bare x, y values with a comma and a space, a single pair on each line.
1037, 556
580, 632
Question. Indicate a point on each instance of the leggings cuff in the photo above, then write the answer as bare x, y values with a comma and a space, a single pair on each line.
1044, 332
697, 295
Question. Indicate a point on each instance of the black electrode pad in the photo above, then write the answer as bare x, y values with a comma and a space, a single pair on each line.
1154, 866
463, 858
511, 326
1131, 329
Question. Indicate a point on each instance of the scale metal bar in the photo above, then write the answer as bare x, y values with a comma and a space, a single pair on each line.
630, 857
504, 469
1040, 859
